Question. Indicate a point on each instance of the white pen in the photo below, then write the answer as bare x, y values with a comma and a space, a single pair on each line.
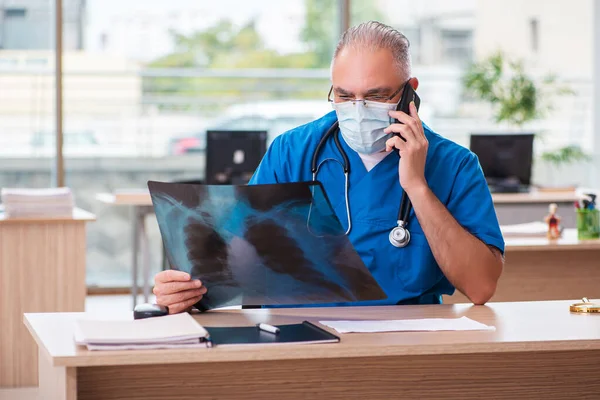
268, 328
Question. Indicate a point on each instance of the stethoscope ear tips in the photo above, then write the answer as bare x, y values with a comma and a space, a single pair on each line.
399, 236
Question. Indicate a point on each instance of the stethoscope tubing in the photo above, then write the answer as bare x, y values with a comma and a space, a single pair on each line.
401, 230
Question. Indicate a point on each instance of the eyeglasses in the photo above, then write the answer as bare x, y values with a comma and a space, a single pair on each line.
377, 98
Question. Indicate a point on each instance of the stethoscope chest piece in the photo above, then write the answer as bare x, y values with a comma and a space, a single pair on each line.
399, 236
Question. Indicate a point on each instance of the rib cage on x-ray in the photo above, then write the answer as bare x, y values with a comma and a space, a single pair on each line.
251, 245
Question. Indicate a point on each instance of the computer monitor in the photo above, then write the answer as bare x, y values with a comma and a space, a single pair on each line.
233, 156
505, 159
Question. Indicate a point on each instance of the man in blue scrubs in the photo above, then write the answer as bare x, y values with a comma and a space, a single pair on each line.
455, 237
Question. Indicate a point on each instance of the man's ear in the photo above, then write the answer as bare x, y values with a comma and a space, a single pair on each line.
414, 82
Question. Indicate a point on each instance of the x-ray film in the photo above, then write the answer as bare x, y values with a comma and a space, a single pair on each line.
279, 244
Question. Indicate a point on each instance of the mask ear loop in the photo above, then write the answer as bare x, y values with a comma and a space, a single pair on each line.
346, 186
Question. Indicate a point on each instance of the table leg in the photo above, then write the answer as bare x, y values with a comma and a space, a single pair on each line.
56, 383
135, 253
145, 247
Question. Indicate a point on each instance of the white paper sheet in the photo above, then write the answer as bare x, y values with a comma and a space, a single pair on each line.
169, 329
148, 346
408, 325
529, 229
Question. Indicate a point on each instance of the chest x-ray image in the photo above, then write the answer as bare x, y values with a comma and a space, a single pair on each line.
279, 244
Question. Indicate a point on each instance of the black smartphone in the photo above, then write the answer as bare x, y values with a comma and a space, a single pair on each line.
408, 95
147, 310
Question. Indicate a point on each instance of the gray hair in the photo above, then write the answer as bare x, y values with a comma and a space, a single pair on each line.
375, 35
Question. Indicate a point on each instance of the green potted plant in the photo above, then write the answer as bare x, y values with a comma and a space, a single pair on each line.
564, 156
517, 99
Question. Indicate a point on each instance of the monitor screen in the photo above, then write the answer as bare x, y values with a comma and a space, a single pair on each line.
504, 158
233, 156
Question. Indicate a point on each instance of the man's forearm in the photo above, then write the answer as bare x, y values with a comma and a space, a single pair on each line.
468, 263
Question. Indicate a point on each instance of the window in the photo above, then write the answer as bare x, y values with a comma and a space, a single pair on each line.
145, 79
153, 76
26, 94
457, 47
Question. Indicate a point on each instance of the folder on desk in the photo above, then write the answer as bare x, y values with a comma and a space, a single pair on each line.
304, 333
183, 331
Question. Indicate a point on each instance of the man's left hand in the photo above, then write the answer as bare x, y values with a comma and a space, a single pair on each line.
413, 146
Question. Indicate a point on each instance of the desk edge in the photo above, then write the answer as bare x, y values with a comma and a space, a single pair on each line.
187, 356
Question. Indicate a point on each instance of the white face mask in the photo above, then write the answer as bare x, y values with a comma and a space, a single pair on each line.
362, 124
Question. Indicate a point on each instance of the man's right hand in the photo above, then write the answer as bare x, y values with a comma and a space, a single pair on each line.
177, 290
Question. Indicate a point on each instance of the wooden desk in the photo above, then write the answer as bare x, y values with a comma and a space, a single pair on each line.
142, 197
516, 208
42, 269
539, 350
542, 269
535, 197
126, 198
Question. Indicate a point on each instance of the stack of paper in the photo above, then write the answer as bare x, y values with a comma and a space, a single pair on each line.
170, 331
529, 229
50, 202
408, 325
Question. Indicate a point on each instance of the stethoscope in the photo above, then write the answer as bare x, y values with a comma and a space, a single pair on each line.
399, 235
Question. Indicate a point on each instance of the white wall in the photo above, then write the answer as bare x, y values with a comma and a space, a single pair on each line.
565, 48
565, 33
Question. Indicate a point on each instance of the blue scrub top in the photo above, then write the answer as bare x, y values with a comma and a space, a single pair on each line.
408, 275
